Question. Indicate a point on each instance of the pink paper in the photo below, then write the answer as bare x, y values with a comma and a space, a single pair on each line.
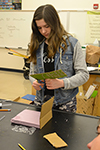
28, 117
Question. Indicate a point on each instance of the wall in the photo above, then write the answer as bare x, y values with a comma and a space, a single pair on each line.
74, 22
17, 33
64, 4
10, 61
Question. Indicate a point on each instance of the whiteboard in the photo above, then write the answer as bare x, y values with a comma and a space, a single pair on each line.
77, 25
15, 29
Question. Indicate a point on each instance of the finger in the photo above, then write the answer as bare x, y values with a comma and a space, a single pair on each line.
42, 85
38, 88
47, 80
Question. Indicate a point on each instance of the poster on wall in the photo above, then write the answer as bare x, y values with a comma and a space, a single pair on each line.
10, 4
92, 27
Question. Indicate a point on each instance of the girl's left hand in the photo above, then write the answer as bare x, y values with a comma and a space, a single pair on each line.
54, 83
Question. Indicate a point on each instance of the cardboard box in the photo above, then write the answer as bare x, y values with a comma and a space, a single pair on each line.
89, 106
35, 118
20, 100
33, 91
85, 106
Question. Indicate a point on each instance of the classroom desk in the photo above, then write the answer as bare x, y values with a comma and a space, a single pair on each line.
95, 72
75, 129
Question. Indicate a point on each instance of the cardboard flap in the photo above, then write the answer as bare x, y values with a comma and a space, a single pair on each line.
46, 112
19, 99
55, 140
45, 119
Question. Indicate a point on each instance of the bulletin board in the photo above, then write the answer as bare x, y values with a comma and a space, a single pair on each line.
93, 27
10, 4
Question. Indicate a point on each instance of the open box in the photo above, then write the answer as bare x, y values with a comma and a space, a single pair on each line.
26, 101
21, 100
34, 118
89, 106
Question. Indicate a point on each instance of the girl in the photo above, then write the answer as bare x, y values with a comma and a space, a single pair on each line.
52, 48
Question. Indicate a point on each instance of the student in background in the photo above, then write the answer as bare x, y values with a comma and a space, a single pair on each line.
52, 48
95, 144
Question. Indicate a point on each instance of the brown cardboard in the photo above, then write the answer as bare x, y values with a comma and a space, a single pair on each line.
55, 140
46, 112
96, 111
41, 119
85, 106
20, 100
33, 91
88, 107
81, 91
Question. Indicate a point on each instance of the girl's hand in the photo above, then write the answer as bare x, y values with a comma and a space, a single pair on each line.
38, 86
54, 83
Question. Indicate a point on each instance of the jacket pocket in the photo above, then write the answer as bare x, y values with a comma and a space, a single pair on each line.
67, 64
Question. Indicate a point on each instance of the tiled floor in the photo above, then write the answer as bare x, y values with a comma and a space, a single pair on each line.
13, 85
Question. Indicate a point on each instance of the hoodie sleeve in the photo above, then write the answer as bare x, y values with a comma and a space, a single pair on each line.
81, 73
32, 71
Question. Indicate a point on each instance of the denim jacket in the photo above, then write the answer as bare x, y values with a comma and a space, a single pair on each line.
72, 62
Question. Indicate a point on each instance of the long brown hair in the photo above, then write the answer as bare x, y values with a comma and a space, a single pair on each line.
50, 16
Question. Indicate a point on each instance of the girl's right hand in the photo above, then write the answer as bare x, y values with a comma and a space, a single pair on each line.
38, 86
